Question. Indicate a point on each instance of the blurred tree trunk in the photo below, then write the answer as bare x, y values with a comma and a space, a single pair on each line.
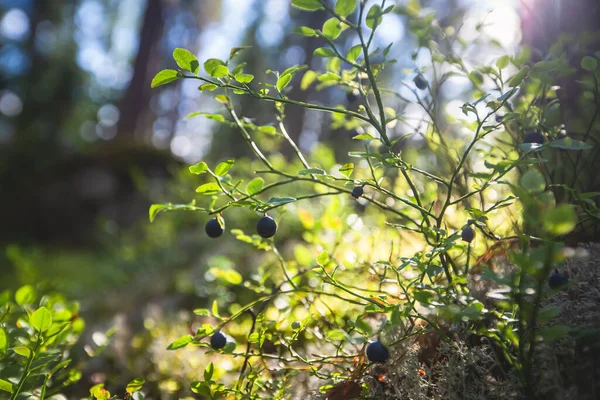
138, 94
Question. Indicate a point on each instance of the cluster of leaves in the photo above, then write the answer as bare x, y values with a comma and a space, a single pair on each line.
37, 333
402, 295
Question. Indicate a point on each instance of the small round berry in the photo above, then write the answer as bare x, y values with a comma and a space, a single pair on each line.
352, 95
420, 82
357, 192
377, 352
214, 229
558, 281
534, 137
499, 118
218, 340
266, 227
468, 234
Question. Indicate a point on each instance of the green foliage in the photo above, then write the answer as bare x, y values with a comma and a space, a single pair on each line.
36, 337
483, 179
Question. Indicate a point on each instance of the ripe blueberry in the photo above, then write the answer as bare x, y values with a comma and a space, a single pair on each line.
377, 352
218, 340
558, 281
352, 95
499, 118
534, 137
266, 227
213, 228
357, 192
420, 82
468, 234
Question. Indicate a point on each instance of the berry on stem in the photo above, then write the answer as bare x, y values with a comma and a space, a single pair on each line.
357, 192
558, 281
218, 340
377, 352
213, 228
266, 227
352, 95
534, 137
420, 82
468, 234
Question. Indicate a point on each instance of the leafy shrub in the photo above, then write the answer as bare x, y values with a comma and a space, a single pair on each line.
303, 317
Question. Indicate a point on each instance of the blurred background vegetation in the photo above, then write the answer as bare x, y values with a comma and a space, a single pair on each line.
86, 146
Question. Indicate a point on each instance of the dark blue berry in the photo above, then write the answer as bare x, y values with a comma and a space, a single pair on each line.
377, 352
534, 137
420, 82
266, 227
357, 192
352, 95
213, 228
468, 234
218, 340
558, 281
499, 118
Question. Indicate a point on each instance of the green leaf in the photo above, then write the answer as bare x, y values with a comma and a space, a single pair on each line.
345, 7
199, 169
163, 77
347, 169
155, 209
332, 28
41, 319
589, 63
308, 5
135, 385
211, 64
503, 62
560, 220
277, 201
186, 60
312, 171
22, 351
324, 52
476, 78
208, 372
227, 275
422, 296
354, 53
209, 189
215, 308
255, 186
337, 335
3, 343
308, 78
283, 81
374, 16
220, 71
268, 129
180, 343
224, 167
244, 78
323, 258
305, 31
363, 136
221, 98
207, 86
570, 144
7, 386
25, 295
518, 77
533, 181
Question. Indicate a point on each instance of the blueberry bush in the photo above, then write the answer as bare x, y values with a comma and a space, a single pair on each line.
430, 261
379, 254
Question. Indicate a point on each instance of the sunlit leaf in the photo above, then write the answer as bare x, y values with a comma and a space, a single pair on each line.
186, 60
